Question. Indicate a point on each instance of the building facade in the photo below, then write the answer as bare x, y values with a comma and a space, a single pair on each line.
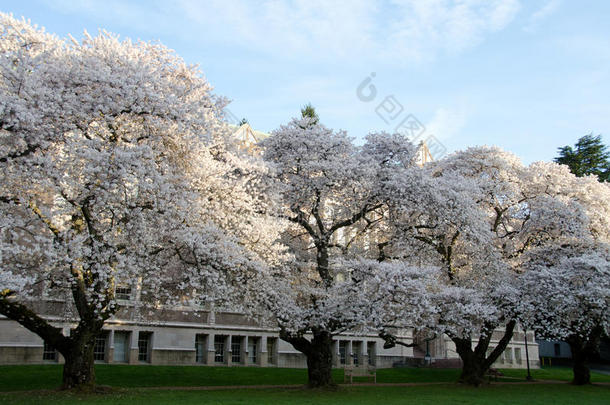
229, 339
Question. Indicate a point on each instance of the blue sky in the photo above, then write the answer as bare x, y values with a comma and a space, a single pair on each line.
528, 76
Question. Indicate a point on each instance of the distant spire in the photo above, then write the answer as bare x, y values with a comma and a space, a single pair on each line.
423, 155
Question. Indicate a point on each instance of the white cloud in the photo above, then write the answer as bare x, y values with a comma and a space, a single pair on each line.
356, 31
421, 30
447, 122
541, 14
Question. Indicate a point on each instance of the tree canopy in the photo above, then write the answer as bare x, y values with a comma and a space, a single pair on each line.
116, 174
588, 156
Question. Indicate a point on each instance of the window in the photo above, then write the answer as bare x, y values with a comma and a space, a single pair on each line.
200, 344
252, 354
518, 355
508, 356
236, 349
99, 349
144, 346
219, 348
271, 350
370, 349
342, 350
49, 353
356, 353
121, 346
122, 292
557, 349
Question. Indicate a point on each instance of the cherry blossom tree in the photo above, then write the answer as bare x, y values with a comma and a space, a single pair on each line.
115, 173
566, 290
327, 190
435, 220
567, 297
475, 215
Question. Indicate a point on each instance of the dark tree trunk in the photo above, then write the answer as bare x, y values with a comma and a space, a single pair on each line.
320, 361
582, 375
583, 350
473, 368
79, 370
319, 356
77, 348
476, 363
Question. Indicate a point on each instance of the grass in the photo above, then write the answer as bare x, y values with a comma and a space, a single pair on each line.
49, 376
36, 377
35, 384
431, 395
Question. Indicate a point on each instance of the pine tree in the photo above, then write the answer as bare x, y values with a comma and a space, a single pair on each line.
589, 156
309, 111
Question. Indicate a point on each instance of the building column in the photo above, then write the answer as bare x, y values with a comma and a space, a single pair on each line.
228, 351
210, 350
244, 351
262, 359
110, 350
133, 347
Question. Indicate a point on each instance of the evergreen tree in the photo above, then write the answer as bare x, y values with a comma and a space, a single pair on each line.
308, 111
589, 156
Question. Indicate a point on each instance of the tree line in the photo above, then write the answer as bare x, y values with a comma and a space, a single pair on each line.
117, 167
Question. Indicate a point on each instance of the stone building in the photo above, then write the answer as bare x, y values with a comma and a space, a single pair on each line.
172, 337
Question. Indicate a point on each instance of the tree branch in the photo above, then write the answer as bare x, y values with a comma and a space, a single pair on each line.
355, 218
31, 321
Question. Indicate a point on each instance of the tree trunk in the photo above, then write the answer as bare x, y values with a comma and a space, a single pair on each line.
319, 356
477, 362
319, 361
473, 369
582, 375
583, 350
79, 370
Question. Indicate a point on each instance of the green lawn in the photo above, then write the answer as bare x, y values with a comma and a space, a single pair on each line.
432, 395
553, 373
16, 378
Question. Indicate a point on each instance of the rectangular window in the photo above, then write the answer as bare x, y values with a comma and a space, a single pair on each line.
121, 347
342, 351
356, 353
123, 292
99, 349
236, 349
144, 339
252, 353
518, 355
508, 358
557, 349
200, 345
271, 350
370, 350
49, 353
219, 348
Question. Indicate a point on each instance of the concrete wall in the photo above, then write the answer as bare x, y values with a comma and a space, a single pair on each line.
547, 349
174, 344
